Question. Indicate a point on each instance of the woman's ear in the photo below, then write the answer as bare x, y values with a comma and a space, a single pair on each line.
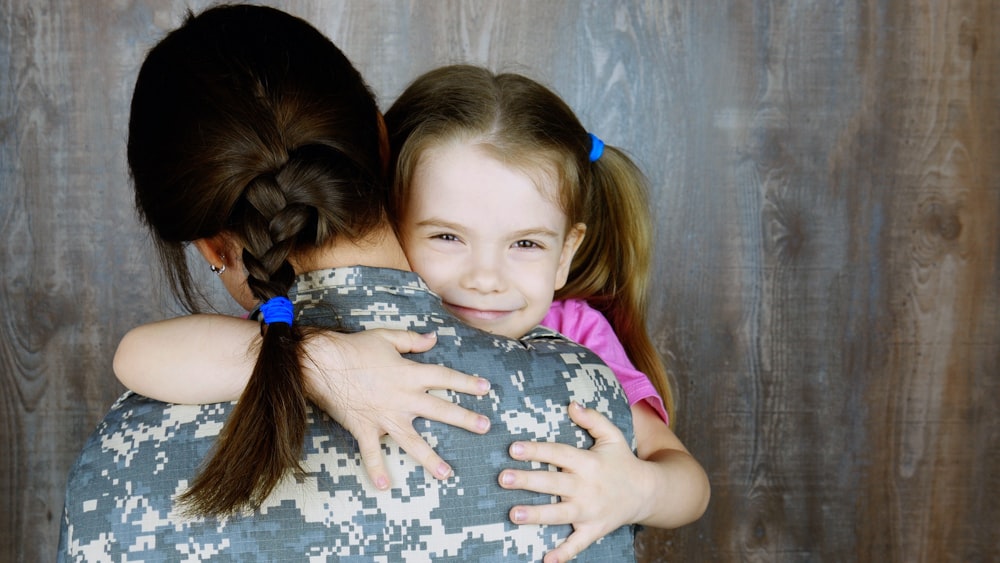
214, 250
574, 238
224, 257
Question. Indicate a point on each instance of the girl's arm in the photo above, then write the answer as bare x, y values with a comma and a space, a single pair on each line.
359, 379
608, 486
195, 359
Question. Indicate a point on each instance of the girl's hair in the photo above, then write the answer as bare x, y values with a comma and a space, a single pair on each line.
526, 125
248, 122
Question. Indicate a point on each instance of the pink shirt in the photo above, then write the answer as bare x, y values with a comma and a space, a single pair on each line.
582, 323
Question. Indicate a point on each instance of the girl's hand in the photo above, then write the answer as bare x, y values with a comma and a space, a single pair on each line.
598, 487
382, 393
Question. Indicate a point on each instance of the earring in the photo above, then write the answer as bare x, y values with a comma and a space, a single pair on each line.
217, 270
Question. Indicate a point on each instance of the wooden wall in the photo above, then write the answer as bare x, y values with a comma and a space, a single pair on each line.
828, 191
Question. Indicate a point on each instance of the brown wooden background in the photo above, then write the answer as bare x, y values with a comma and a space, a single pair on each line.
828, 190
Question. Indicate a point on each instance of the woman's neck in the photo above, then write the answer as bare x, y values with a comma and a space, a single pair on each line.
380, 249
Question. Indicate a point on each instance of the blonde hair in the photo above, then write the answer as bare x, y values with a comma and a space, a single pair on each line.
529, 127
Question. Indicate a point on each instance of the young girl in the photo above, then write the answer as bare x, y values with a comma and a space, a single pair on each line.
501, 199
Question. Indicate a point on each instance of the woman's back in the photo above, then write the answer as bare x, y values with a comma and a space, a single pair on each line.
142, 454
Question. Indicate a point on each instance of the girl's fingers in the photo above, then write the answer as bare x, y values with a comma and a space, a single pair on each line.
444, 411
554, 483
406, 341
443, 378
550, 514
415, 446
600, 427
371, 456
559, 455
573, 546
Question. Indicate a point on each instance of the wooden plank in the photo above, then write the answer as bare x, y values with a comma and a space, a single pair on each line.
929, 415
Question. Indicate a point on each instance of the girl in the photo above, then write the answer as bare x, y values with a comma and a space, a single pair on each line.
502, 199
496, 187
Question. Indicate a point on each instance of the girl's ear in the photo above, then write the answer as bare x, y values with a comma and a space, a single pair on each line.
574, 238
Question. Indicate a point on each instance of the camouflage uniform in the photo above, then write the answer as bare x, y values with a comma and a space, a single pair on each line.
119, 497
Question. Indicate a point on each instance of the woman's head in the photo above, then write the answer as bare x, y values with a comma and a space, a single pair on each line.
531, 132
251, 130
249, 123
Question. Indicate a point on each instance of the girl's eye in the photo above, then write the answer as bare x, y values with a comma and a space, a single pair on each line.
527, 244
445, 236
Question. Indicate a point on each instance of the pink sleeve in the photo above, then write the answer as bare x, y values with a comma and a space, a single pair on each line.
582, 323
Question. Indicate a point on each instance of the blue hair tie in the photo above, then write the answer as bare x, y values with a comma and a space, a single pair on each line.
596, 147
277, 310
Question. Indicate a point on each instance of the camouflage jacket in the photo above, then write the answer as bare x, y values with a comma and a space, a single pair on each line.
119, 499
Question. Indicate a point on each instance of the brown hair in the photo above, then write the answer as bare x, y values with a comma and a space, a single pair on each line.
249, 122
530, 127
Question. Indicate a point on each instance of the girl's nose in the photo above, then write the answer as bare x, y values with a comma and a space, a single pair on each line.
484, 274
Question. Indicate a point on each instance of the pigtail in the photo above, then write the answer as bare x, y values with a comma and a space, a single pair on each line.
611, 269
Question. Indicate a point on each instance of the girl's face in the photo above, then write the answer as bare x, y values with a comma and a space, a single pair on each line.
494, 245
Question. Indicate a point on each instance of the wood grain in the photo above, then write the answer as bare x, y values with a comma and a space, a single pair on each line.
827, 187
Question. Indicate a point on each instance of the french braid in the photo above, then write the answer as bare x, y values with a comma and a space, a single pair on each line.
268, 424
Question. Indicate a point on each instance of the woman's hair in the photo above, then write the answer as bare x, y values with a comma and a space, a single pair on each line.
527, 126
248, 122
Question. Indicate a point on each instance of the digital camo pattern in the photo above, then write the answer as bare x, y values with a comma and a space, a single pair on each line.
119, 500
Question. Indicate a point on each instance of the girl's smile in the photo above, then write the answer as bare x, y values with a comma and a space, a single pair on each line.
471, 315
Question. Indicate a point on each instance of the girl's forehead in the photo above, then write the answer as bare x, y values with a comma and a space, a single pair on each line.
477, 192
478, 153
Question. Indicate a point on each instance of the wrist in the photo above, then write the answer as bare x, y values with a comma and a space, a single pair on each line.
646, 480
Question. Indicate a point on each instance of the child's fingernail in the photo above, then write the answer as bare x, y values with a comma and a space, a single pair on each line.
517, 449
381, 483
507, 478
429, 335
519, 515
483, 385
444, 470
483, 423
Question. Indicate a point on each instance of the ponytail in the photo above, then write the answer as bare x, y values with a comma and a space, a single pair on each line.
611, 269
262, 438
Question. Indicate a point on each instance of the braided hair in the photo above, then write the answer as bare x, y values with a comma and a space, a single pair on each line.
248, 122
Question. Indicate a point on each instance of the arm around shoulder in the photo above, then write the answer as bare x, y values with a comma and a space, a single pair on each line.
192, 359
